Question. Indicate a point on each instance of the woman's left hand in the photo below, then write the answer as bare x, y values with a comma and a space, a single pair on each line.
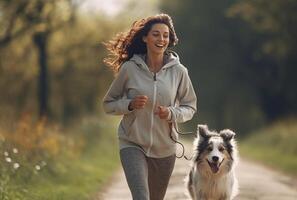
163, 112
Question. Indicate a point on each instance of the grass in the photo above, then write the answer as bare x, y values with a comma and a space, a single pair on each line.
77, 176
275, 146
80, 178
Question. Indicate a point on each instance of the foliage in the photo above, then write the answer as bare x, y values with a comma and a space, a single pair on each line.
27, 150
43, 18
75, 62
277, 18
276, 22
72, 55
19, 17
85, 159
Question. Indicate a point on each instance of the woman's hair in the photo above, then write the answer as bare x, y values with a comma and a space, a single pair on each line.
126, 44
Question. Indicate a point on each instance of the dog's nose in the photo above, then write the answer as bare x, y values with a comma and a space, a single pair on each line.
215, 158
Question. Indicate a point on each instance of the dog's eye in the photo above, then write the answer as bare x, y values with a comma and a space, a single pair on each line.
209, 148
221, 149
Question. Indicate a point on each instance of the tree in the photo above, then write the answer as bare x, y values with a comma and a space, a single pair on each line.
39, 19
12, 20
276, 64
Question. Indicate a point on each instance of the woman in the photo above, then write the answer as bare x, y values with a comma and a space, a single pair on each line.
151, 90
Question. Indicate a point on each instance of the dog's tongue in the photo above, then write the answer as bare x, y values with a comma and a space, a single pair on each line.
214, 167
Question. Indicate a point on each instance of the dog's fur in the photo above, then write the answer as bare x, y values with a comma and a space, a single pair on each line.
212, 175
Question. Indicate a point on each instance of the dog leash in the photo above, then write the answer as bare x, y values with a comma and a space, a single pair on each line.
171, 125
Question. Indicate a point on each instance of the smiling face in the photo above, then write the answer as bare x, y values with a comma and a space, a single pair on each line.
157, 39
216, 153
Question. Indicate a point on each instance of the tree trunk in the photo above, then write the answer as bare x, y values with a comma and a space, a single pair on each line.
40, 40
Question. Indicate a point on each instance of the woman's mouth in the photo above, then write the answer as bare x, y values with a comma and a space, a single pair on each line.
160, 45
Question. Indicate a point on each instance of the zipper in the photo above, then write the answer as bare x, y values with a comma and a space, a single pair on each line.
152, 114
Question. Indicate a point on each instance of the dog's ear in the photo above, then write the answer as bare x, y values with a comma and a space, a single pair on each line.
227, 134
202, 130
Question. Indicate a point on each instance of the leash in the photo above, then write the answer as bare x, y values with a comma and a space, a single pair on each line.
171, 125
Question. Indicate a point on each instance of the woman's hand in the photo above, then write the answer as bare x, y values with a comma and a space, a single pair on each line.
163, 112
138, 102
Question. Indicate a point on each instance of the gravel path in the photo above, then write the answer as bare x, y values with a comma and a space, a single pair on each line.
256, 183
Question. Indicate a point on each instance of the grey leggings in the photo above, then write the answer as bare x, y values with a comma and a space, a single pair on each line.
147, 177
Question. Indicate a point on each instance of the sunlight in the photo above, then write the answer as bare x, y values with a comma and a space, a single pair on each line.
108, 7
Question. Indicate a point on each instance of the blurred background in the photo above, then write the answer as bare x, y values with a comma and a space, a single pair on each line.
241, 56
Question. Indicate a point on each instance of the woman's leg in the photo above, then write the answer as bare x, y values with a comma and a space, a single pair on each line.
159, 172
135, 167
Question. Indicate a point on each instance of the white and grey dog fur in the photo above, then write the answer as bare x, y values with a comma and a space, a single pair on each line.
212, 175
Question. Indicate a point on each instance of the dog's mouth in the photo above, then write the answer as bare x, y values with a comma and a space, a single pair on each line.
215, 166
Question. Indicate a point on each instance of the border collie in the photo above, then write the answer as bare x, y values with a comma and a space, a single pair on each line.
212, 175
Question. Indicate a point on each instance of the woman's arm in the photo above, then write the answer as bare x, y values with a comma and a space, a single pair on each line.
115, 101
186, 99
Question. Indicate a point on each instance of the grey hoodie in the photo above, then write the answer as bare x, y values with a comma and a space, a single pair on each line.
170, 87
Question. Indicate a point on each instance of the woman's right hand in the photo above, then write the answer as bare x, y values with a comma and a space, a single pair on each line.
138, 102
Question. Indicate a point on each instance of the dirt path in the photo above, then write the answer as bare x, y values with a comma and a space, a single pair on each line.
256, 183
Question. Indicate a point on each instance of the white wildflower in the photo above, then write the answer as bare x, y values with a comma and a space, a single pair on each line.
15, 150
8, 159
37, 167
16, 165
6, 153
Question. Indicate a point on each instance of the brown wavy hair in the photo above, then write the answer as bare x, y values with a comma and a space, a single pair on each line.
125, 44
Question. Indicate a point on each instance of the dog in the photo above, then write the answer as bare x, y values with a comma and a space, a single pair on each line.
212, 175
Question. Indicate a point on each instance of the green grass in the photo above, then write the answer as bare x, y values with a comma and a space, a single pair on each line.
83, 178
275, 146
78, 177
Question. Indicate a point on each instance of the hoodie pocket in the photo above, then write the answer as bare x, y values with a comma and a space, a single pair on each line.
127, 122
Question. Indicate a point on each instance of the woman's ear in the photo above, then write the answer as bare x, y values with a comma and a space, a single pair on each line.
144, 39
